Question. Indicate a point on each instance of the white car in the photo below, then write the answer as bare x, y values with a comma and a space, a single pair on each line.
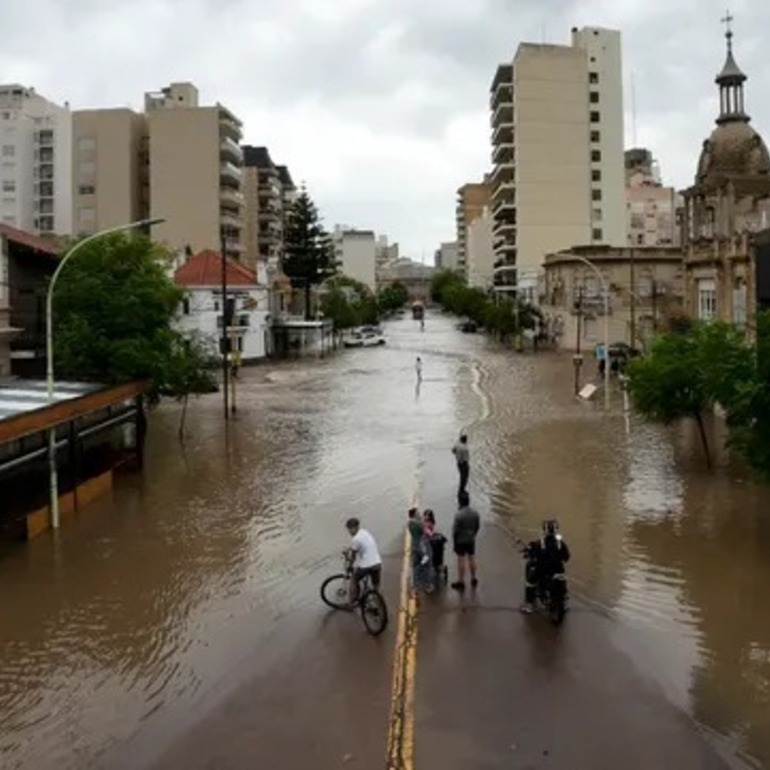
365, 340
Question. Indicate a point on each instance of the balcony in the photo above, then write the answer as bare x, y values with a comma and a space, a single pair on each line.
44, 138
505, 188
229, 126
230, 173
502, 114
502, 94
230, 198
229, 220
503, 153
504, 229
503, 134
505, 210
230, 150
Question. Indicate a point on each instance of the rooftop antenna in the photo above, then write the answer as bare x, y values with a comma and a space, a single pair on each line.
633, 109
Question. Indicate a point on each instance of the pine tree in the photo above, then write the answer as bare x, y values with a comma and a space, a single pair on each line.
308, 250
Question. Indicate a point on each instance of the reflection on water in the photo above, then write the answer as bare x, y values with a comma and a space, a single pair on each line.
141, 608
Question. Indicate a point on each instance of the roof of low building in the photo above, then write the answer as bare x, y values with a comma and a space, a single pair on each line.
205, 269
23, 238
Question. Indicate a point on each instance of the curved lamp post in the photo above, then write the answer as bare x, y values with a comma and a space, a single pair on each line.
606, 292
49, 373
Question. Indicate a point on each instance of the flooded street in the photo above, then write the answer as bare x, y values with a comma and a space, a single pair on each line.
152, 608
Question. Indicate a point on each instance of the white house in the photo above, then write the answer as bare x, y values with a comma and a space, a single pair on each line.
248, 296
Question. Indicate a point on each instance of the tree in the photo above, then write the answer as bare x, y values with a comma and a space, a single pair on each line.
191, 370
393, 297
114, 307
442, 282
308, 251
336, 306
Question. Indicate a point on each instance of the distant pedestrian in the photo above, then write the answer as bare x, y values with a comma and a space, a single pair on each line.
464, 530
462, 456
420, 553
418, 368
601, 356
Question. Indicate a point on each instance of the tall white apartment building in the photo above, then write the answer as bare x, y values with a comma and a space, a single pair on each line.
35, 162
481, 252
557, 149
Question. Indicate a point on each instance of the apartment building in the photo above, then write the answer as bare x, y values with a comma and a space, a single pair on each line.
35, 162
356, 253
471, 200
264, 205
481, 251
447, 254
557, 149
110, 179
650, 207
196, 170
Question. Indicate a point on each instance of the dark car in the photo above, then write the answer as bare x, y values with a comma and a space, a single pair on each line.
469, 327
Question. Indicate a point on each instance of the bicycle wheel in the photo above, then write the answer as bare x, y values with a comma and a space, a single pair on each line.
374, 612
335, 591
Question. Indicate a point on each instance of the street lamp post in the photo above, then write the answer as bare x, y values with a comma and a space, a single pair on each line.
225, 340
606, 292
49, 368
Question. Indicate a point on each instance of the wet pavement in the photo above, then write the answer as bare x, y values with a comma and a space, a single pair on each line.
179, 624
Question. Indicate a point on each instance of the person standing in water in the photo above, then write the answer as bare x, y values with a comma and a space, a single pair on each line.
418, 368
462, 457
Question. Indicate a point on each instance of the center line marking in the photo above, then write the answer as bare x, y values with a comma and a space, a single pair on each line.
401, 725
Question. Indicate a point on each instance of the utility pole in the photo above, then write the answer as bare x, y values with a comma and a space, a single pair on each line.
225, 342
632, 270
577, 359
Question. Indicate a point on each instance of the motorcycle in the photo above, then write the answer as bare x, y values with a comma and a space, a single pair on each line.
550, 591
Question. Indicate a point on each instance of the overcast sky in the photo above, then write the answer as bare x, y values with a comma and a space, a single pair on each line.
381, 105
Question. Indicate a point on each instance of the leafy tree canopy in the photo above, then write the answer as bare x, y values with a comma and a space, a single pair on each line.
114, 306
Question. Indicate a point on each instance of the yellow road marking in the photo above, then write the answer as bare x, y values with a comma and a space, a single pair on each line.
401, 726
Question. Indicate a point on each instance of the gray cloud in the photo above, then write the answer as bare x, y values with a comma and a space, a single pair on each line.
380, 104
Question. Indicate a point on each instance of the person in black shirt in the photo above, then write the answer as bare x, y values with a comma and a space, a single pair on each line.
546, 557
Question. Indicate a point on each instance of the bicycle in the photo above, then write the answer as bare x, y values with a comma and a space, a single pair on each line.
335, 592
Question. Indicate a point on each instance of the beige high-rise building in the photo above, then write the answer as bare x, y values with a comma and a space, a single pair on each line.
110, 184
471, 201
177, 161
196, 170
557, 137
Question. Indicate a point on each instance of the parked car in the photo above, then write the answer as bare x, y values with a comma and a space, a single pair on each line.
469, 327
364, 340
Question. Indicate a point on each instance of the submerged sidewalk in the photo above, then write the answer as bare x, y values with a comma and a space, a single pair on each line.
498, 689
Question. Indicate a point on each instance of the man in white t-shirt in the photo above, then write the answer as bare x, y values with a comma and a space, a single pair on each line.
366, 556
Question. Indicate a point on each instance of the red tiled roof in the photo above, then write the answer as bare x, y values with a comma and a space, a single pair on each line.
205, 269
27, 239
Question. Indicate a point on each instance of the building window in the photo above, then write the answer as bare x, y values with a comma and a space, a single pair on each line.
86, 189
597, 234
596, 215
596, 156
593, 77
87, 214
86, 143
595, 117
596, 136
739, 305
9, 150
707, 299
594, 97
186, 306
596, 195
244, 320
596, 175
9, 185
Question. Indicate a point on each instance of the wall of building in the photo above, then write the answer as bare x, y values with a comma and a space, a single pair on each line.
552, 177
471, 200
651, 213
481, 254
356, 250
184, 176
5, 352
605, 67
250, 190
107, 165
202, 312
655, 276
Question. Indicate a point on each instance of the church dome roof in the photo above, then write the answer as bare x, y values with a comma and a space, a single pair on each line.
733, 149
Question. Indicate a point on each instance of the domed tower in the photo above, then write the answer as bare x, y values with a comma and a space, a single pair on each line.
729, 201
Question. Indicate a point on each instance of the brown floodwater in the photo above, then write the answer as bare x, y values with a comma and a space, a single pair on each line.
117, 631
